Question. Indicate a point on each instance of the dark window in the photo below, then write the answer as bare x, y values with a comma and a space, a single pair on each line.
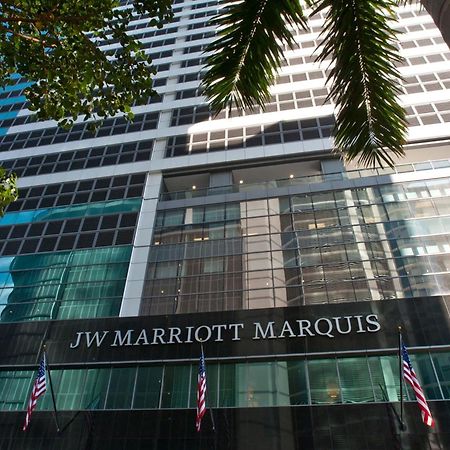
36, 229
128, 220
81, 197
11, 247
54, 227
48, 244
109, 222
86, 240
90, 223
72, 225
98, 196
67, 242
47, 202
105, 239
18, 231
4, 231
30, 246
124, 237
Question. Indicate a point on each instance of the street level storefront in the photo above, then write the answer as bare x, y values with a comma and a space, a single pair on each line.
308, 377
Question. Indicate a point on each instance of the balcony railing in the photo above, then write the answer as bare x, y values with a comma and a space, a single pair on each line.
310, 179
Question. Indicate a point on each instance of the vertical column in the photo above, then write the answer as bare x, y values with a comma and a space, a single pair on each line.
141, 247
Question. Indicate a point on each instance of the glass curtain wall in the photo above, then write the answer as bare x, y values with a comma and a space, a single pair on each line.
248, 384
373, 243
63, 285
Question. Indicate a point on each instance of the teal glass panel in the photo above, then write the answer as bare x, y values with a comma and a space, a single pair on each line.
45, 403
197, 214
385, 378
442, 365
65, 285
15, 389
262, 384
121, 387
227, 386
212, 373
425, 374
355, 380
214, 213
95, 388
233, 211
176, 390
323, 381
74, 211
298, 389
70, 389
148, 387
174, 217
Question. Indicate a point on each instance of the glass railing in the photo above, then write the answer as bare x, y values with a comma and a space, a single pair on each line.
305, 180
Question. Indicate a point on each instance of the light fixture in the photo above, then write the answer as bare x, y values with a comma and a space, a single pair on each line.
241, 181
194, 187
291, 176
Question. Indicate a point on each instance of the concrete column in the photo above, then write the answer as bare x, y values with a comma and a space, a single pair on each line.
134, 284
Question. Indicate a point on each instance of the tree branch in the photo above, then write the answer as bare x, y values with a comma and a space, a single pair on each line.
26, 37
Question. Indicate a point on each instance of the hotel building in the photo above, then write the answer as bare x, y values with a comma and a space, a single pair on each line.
133, 245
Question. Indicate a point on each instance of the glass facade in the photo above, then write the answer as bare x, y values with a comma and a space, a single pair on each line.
244, 384
243, 217
63, 285
381, 242
65, 249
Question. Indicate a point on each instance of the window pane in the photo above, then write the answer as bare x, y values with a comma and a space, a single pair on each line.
14, 389
385, 378
297, 382
227, 386
121, 388
442, 364
95, 388
355, 380
425, 374
148, 387
323, 381
70, 389
176, 387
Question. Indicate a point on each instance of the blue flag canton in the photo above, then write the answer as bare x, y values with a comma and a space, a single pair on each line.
406, 356
41, 370
201, 366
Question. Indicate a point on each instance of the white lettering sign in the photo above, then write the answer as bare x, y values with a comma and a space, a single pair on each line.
329, 327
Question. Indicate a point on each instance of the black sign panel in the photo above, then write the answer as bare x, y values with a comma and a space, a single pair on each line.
344, 327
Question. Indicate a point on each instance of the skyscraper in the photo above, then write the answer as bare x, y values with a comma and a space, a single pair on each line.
132, 245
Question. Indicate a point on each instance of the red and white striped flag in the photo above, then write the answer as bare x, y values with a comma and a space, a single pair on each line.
201, 392
410, 377
39, 388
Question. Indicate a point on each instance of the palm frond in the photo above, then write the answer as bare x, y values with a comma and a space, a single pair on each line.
370, 123
247, 52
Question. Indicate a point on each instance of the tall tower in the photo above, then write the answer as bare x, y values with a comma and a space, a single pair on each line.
131, 245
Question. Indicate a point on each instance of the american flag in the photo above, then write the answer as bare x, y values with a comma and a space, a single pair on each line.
410, 376
201, 392
39, 388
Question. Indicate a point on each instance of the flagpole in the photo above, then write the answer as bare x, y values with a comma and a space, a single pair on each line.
51, 390
400, 371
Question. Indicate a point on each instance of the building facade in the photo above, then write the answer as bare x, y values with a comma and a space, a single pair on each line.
132, 246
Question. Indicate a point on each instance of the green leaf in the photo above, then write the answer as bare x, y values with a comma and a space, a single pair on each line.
246, 55
361, 43
8, 189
